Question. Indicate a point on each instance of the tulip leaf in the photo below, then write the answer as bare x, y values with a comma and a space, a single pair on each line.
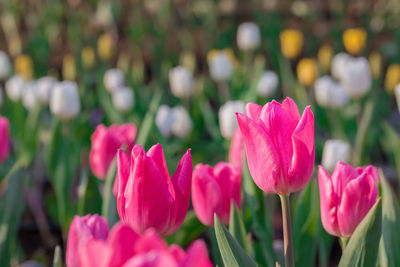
109, 208
232, 253
237, 229
362, 249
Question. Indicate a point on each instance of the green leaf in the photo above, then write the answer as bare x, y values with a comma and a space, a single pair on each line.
237, 229
362, 249
232, 253
109, 208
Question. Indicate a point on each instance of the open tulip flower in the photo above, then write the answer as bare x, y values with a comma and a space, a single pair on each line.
346, 197
146, 195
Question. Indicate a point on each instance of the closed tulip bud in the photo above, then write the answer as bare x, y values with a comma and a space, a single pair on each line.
330, 94
14, 87
227, 118
105, 144
325, 53
88, 57
23, 66
182, 123
236, 155
181, 82
397, 94
335, 151
65, 101
339, 65
356, 78
267, 84
375, 63
279, 145
165, 120
354, 40
291, 43
113, 79
69, 68
220, 63
45, 87
4, 139
105, 47
5, 66
307, 71
123, 99
29, 96
392, 77
346, 197
140, 178
213, 190
248, 36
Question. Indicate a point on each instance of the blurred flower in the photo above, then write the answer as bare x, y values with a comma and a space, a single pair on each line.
346, 197
105, 144
236, 155
354, 40
181, 82
123, 61
227, 7
279, 144
248, 36
64, 101
227, 118
291, 42
69, 67
182, 123
339, 65
213, 189
329, 93
30, 95
45, 87
4, 139
356, 78
5, 66
113, 79
392, 77
188, 60
123, 99
397, 94
15, 87
105, 46
164, 120
141, 177
307, 71
325, 53
267, 84
103, 14
375, 63
221, 63
23, 66
88, 57
334, 151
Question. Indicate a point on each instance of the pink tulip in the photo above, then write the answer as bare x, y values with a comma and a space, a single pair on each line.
4, 138
213, 190
147, 197
236, 150
279, 145
105, 144
346, 197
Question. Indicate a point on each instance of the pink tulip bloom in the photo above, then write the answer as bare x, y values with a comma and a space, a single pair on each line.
346, 197
147, 197
4, 138
213, 190
236, 150
279, 145
105, 144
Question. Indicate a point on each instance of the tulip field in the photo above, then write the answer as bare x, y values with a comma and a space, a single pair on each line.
191, 133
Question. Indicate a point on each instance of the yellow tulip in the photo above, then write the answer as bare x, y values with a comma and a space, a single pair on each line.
291, 43
23, 66
69, 67
392, 77
188, 60
325, 53
354, 40
105, 47
88, 57
307, 71
375, 62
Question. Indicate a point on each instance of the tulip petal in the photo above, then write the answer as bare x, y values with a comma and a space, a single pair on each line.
197, 256
95, 253
253, 111
152, 259
236, 156
123, 169
156, 153
341, 176
290, 106
122, 242
149, 241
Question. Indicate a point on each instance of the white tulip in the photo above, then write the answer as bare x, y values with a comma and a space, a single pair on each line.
5, 66
123, 99
29, 95
45, 86
330, 94
267, 84
64, 101
248, 36
14, 87
334, 151
182, 123
227, 117
397, 94
338, 65
164, 120
221, 67
181, 82
356, 78
113, 79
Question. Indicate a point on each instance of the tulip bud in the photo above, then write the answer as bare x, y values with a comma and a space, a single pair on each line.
227, 118
397, 94
335, 151
267, 84
356, 78
113, 79
65, 101
15, 87
248, 36
346, 197
29, 96
143, 176
220, 63
5, 66
182, 123
45, 87
23, 66
69, 68
325, 53
213, 190
88, 57
307, 71
339, 65
105, 47
329, 93
375, 62
354, 40
181, 82
392, 77
164, 120
4, 139
123, 99
291, 42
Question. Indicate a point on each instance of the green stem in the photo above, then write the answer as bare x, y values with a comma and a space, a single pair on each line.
362, 132
287, 231
344, 242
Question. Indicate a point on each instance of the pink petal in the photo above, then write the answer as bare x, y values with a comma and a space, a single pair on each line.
197, 256
95, 253
236, 156
371, 170
341, 176
253, 111
290, 106
149, 241
122, 241
152, 259
123, 169
4, 139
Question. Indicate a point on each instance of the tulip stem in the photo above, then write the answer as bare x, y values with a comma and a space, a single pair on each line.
287, 231
344, 242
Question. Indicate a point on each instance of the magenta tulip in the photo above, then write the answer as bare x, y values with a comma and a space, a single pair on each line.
213, 190
236, 155
4, 138
105, 144
279, 145
346, 197
147, 197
